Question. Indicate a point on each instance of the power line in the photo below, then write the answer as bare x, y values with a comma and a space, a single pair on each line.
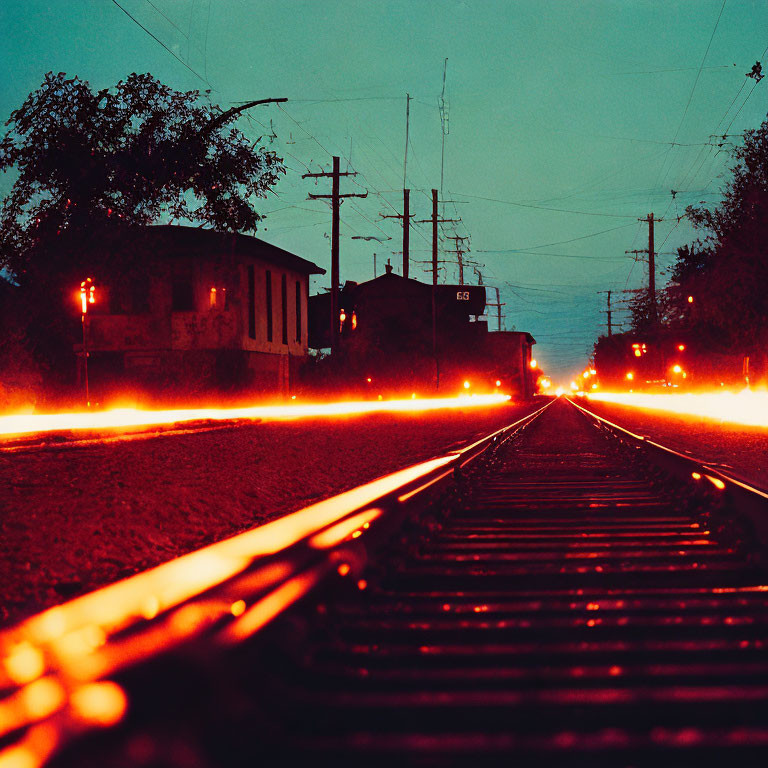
541, 207
738, 111
559, 242
690, 95
160, 42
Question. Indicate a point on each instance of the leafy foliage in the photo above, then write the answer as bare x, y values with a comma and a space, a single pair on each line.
726, 270
129, 155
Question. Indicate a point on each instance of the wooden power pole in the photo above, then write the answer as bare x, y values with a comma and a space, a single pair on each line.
650, 220
435, 220
406, 216
608, 311
459, 250
335, 199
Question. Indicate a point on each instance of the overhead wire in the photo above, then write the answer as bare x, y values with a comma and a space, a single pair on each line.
559, 242
161, 43
543, 208
693, 88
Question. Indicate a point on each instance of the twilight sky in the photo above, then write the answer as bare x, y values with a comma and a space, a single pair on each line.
568, 121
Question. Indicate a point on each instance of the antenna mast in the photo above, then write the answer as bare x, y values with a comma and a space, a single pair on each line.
445, 129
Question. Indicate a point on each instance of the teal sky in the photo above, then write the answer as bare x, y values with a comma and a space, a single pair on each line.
552, 105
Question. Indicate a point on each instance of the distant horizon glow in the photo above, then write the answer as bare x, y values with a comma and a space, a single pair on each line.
749, 407
135, 417
551, 190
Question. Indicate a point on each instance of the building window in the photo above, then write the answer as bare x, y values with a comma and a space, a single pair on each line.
269, 305
284, 307
182, 298
251, 302
217, 297
298, 311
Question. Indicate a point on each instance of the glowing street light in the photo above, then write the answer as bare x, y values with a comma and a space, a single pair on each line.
534, 364
690, 299
630, 375
87, 296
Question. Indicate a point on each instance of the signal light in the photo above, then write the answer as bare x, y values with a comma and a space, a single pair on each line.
87, 294
681, 347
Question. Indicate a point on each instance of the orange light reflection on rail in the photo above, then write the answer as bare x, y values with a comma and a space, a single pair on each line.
749, 407
118, 605
130, 417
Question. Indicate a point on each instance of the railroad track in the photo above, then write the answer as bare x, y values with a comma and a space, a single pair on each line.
560, 593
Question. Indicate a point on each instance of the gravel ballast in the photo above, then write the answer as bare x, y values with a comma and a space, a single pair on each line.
743, 451
79, 516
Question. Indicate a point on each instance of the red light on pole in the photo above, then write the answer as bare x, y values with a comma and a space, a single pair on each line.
87, 296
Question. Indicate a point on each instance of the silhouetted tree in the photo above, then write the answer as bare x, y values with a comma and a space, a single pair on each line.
726, 270
122, 156
87, 165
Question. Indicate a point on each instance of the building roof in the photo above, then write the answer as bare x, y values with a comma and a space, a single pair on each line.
473, 296
196, 240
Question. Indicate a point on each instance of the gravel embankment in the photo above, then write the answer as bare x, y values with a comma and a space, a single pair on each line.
77, 517
742, 450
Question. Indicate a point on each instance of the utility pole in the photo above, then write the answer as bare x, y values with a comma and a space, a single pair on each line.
498, 306
406, 216
651, 267
459, 250
407, 129
608, 311
335, 199
435, 220
650, 220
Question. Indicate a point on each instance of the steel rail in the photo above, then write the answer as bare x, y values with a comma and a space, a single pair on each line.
738, 496
55, 666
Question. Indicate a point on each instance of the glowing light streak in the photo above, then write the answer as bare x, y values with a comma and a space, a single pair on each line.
72, 632
79, 643
270, 606
749, 407
130, 417
334, 535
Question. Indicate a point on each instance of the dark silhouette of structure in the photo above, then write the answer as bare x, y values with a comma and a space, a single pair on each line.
386, 339
215, 311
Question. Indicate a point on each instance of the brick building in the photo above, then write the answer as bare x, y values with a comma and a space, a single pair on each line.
214, 311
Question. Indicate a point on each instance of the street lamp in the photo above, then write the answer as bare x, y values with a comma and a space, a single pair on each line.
87, 296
